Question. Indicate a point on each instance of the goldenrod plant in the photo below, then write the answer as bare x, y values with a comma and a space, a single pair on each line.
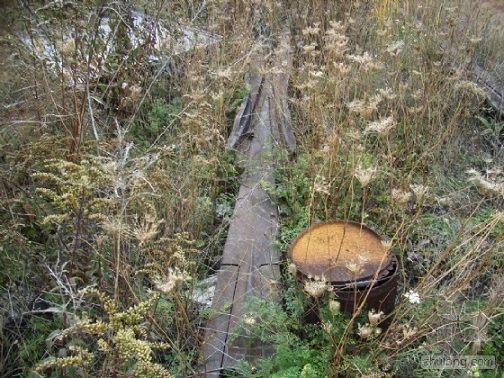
121, 339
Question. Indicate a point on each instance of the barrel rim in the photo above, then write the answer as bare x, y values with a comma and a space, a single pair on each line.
367, 275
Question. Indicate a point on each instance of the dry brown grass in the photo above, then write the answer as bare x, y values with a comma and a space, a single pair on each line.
383, 108
496, 7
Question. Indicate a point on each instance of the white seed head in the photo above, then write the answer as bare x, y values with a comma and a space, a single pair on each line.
317, 287
364, 331
363, 108
249, 321
382, 127
334, 307
409, 332
315, 30
365, 176
321, 185
355, 267
395, 48
419, 191
400, 196
374, 317
412, 297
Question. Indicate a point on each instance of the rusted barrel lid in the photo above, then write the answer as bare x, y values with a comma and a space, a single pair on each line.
341, 251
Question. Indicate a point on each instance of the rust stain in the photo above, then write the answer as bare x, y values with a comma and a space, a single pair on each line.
340, 251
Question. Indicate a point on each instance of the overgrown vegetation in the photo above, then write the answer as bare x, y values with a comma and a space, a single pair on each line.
117, 187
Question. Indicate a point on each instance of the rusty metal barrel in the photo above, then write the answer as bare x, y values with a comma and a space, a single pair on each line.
354, 259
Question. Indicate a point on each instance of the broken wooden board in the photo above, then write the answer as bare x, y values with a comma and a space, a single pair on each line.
268, 97
493, 91
250, 263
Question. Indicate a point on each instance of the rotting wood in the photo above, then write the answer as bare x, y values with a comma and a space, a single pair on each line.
250, 263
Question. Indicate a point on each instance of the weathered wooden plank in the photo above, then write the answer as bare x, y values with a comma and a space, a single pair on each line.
241, 124
264, 281
493, 91
217, 329
253, 229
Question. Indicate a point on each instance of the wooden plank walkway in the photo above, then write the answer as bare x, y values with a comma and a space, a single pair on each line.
250, 263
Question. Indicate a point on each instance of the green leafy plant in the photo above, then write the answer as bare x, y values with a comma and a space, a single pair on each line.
294, 356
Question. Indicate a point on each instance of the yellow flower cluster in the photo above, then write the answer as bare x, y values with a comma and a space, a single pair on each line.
130, 347
121, 339
82, 358
96, 328
149, 369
